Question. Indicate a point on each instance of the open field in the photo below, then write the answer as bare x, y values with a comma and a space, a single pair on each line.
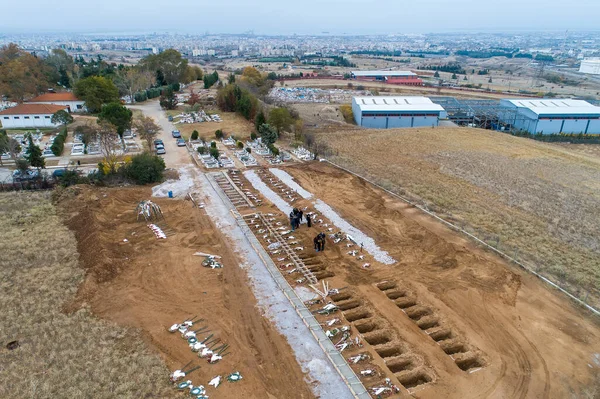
384, 88
232, 123
151, 284
446, 318
534, 200
64, 352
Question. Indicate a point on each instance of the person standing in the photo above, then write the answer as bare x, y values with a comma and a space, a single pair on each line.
316, 242
321, 241
292, 221
308, 221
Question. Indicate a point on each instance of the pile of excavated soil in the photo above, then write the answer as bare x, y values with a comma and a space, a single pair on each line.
532, 341
150, 284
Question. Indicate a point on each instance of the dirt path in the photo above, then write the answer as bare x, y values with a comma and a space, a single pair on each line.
531, 342
150, 284
175, 156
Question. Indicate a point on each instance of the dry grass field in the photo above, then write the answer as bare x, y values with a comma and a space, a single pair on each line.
232, 124
536, 201
61, 354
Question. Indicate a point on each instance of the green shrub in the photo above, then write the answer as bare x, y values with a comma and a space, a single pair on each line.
273, 149
71, 177
253, 136
58, 145
153, 92
145, 168
219, 134
240, 145
201, 150
213, 144
195, 135
140, 96
175, 86
214, 152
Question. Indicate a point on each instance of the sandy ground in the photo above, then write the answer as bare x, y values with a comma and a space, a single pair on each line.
530, 341
150, 284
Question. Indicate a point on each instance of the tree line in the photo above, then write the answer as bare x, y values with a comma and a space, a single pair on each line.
24, 75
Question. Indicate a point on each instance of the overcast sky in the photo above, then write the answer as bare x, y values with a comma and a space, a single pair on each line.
302, 17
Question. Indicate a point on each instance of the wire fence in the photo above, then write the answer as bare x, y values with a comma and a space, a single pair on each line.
491, 242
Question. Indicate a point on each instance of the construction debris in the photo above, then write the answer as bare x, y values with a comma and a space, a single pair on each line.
149, 211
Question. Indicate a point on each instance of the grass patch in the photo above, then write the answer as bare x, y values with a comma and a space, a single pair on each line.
535, 201
60, 355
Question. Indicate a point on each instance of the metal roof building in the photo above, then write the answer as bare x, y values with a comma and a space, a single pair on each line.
551, 115
590, 65
357, 74
383, 112
393, 77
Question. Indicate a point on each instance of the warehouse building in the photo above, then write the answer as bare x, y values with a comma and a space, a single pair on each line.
551, 116
392, 112
393, 77
590, 65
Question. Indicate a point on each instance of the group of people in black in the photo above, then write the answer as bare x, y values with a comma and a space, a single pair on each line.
296, 218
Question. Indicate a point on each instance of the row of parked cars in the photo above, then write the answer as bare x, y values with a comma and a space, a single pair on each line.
159, 145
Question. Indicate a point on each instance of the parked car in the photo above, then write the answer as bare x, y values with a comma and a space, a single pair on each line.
170, 118
158, 141
59, 173
160, 150
176, 134
30, 174
180, 143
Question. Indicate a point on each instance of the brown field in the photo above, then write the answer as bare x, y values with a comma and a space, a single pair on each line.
535, 201
62, 354
448, 319
149, 284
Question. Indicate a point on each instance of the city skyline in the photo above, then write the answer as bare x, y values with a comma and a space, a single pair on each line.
311, 17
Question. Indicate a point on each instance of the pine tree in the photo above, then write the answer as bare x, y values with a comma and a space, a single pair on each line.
34, 155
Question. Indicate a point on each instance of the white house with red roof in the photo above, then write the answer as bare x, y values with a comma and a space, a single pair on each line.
27, 116
66, 98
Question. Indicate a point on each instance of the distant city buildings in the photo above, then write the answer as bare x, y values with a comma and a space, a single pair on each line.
590, 65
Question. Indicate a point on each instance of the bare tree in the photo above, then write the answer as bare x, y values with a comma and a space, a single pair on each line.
134, 80
147, 129
109, 141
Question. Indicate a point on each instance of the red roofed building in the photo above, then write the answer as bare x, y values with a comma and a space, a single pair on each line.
26, 116
66, 98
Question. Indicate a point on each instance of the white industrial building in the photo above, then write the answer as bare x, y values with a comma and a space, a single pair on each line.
590, 65
66, 98
551, 116
385, 112
27, 116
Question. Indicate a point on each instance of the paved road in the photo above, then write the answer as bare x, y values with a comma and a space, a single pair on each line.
175, 156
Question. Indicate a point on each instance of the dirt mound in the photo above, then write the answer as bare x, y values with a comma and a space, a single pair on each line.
150, 284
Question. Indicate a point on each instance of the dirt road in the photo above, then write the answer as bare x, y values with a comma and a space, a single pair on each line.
175, 156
